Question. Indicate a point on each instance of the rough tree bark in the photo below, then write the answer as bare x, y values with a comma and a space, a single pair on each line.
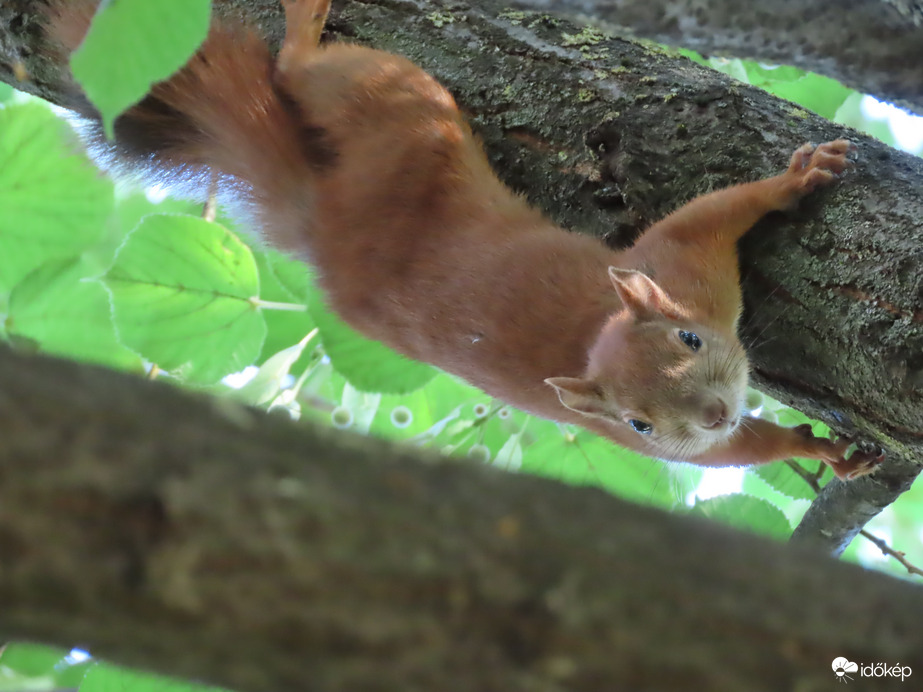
833, 292
192, 536
874, 46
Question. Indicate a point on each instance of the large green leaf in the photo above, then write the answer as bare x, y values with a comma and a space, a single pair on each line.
821, 94
585, 459
746, 513
183, 296
53, 202
133, 43
783, 478
68, 314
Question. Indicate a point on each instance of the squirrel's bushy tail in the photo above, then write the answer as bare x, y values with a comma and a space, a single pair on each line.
220, 112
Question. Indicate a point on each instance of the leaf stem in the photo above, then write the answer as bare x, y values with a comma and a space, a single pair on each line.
271, 305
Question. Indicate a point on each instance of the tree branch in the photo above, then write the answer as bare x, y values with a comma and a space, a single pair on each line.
841, 509
833, 292
190, 536
873, 46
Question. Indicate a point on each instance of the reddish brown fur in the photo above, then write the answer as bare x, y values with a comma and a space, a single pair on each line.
68, 23
361, 161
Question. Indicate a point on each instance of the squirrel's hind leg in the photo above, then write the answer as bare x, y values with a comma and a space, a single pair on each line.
304, 23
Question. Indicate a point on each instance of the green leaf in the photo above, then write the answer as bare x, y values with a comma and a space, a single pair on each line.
283, 280
362, 405
269, 378
766, 77
53, 202
133, 43
32, 666
746, 513
730, 66
585, 459
510, 455
820, 94
781, 477
133, 204
111, 678
370, 366
67, 312
441, 397
182, 291
693, 56
790, 417
321, 391
793, 509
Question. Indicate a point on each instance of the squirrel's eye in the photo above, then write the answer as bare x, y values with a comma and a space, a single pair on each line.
691, 340
641, 427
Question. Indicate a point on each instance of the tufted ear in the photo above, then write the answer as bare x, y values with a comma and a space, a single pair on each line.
578, 394
640, 294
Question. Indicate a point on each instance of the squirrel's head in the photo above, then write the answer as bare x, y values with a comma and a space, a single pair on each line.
657, 374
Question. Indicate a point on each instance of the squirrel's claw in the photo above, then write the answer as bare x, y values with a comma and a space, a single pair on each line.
863, 463
833, 453
816, 166
860, 463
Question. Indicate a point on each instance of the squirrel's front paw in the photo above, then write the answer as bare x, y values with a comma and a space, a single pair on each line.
860, 463
813, 167
833, 453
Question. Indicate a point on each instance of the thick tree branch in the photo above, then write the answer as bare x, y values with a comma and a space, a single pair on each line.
833, 292
874, 46
190, 536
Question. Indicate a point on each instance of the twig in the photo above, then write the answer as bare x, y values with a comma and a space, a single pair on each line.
812, 480
888, 550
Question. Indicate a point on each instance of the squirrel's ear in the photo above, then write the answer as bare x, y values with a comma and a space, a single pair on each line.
578, 394
640, 293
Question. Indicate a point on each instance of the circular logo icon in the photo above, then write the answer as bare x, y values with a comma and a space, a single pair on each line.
842, 666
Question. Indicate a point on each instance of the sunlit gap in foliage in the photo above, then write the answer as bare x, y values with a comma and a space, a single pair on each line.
77, 656
906, 127
717, 482
156, 193
236, 380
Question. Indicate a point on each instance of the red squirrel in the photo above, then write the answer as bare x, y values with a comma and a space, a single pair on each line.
359, 162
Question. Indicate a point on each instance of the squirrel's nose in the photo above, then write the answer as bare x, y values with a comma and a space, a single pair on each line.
714, 414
